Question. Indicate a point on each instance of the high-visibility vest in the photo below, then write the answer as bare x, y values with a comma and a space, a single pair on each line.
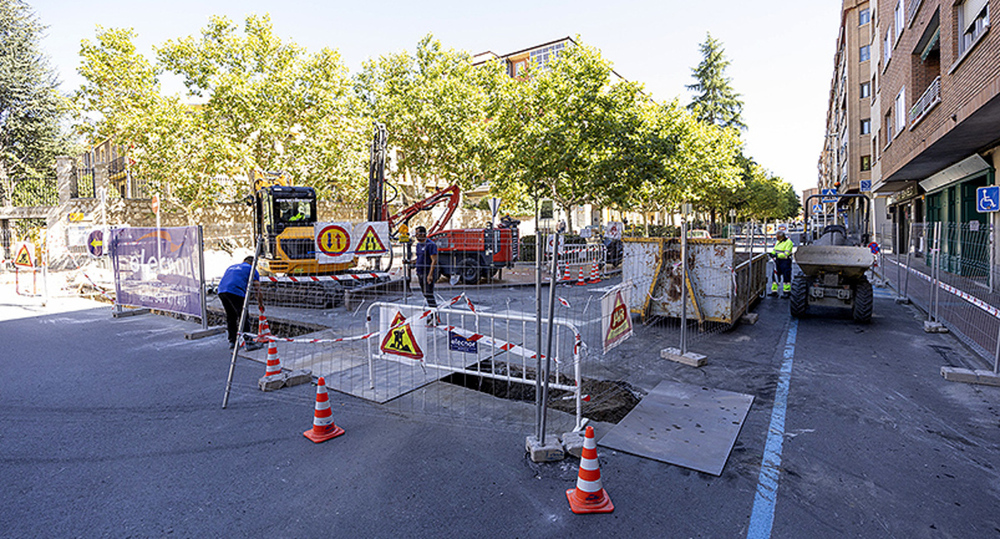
784, 249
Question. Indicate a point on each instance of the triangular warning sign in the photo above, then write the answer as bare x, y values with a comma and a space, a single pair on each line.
370, 243
399, 339
621, 323
23, 257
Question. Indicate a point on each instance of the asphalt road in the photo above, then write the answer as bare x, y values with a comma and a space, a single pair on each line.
115, 428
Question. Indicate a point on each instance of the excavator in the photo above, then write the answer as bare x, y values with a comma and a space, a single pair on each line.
285, 215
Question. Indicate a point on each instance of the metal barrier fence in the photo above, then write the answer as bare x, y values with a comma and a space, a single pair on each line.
948, 270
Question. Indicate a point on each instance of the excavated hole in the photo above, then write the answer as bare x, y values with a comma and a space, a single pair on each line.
610, 400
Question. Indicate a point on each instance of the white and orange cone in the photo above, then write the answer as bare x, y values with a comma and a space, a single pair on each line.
579, 278
589, 496
323, 428
565, 275
273, 361
595, 275
263, 329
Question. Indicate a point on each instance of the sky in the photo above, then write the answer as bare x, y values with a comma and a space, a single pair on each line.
781, 52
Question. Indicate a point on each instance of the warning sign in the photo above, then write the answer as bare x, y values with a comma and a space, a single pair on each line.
615, 230
372, 238
333, 243
24, 257
400, 340
616, 322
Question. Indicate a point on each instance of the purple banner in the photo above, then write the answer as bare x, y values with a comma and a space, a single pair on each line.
158, 268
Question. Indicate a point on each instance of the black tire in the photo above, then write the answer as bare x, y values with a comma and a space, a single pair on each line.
863, 300
798, 305
468, 270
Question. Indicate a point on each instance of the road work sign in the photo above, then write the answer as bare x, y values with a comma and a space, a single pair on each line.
371, 239
24, 255
616, 322
400, 339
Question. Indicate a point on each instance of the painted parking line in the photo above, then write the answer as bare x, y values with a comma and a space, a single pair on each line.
762, 517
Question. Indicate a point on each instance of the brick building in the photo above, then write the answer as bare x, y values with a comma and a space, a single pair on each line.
845, 161
937, 134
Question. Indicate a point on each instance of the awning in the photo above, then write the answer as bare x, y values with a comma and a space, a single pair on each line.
963, 169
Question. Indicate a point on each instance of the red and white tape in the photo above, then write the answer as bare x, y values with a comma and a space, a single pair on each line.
319, 278
964, 295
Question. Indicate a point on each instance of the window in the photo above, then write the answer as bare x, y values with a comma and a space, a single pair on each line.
864, 17
899, 13
973, 21
866, 89
547, 54
866, 162
887, 47
900, 107
865, 54
866, 126
887, 122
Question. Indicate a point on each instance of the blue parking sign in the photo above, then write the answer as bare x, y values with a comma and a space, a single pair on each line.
988, 199
866, 186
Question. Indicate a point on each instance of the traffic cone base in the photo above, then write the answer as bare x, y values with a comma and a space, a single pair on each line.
320, 437
599, 502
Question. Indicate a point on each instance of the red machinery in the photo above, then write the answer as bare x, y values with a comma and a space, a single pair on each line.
471, 253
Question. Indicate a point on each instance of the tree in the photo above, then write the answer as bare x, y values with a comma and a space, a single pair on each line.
121, 101
716, 102
434, 105
30, 105
271, 105
568, 132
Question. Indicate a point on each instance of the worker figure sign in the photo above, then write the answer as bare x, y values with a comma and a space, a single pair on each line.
782, 254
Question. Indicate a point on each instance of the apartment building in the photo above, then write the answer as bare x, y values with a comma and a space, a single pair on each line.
845, 162
937, 122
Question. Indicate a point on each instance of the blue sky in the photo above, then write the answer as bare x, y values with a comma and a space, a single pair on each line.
781, 51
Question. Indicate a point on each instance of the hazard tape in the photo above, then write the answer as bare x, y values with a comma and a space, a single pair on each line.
995, 312
425, 314
318, 278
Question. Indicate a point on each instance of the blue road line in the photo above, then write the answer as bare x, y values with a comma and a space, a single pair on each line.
762, 517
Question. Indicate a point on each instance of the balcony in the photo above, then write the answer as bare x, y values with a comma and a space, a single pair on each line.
926, 103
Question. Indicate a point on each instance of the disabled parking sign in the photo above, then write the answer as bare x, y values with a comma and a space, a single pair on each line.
988, 199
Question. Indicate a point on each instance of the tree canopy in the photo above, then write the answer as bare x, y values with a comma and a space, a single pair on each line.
30, 105
716, 101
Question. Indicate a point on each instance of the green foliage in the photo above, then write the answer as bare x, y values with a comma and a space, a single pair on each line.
30, 105
434, 104
570, 133
271, 106
716, 102
766, 197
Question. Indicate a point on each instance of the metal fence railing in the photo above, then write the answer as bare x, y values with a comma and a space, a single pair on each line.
949, 270
29, 192
84, 185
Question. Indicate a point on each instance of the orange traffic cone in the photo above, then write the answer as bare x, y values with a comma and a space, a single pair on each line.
273, 362
595, 275
589, 496
579, 278
263, 329
323, 427
565, 275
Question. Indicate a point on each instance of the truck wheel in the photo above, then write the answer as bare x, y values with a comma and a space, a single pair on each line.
468, 270
798, 304
863, 299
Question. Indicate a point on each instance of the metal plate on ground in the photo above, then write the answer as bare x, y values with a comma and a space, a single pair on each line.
687, 425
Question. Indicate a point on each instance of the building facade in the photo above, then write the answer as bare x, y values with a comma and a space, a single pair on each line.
845, 163
940, 99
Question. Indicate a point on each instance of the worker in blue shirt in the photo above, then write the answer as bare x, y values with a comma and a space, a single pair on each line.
426, 264
232, 292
